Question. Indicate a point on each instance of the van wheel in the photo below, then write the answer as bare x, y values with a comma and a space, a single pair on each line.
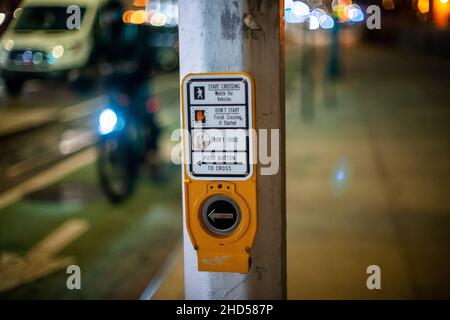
13, 86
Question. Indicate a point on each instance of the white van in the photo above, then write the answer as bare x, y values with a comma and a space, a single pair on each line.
39, 44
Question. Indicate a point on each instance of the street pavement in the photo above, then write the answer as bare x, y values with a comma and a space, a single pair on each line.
41, 126
53, 213
368, 176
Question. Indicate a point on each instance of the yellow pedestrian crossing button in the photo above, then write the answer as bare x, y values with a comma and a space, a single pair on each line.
219, 170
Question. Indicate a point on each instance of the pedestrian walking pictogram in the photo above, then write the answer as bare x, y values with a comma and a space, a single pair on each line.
199, 93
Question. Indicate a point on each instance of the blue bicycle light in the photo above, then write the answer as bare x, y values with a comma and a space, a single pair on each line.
107, 121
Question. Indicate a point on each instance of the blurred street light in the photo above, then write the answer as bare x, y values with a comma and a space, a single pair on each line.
17, 12
138, 17
423, 6
388, 4
2, 18
155, 13
313, 23
58, 51
158, 19
8, 44
300, 9
326, 22
441, 13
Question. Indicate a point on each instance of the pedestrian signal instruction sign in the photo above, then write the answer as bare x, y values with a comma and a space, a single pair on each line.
218, 120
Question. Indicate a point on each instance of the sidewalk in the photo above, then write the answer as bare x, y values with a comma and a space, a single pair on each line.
368, 180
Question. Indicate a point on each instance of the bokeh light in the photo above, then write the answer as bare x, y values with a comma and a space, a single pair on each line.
291, 17
38, 57
326, 22
2, 18
17, 13
107, 121
340, 177
138, 17
313, 23
300, 9
27, 56
58, 51
388, 4
158, 19
423, 6
8, 45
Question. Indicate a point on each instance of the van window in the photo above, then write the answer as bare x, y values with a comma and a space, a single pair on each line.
45, 19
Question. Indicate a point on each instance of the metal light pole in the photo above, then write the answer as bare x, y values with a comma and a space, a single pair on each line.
243, 35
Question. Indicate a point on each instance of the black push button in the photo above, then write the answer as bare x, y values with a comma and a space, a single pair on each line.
221, 215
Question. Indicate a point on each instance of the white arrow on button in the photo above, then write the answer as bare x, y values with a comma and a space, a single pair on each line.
219, 215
